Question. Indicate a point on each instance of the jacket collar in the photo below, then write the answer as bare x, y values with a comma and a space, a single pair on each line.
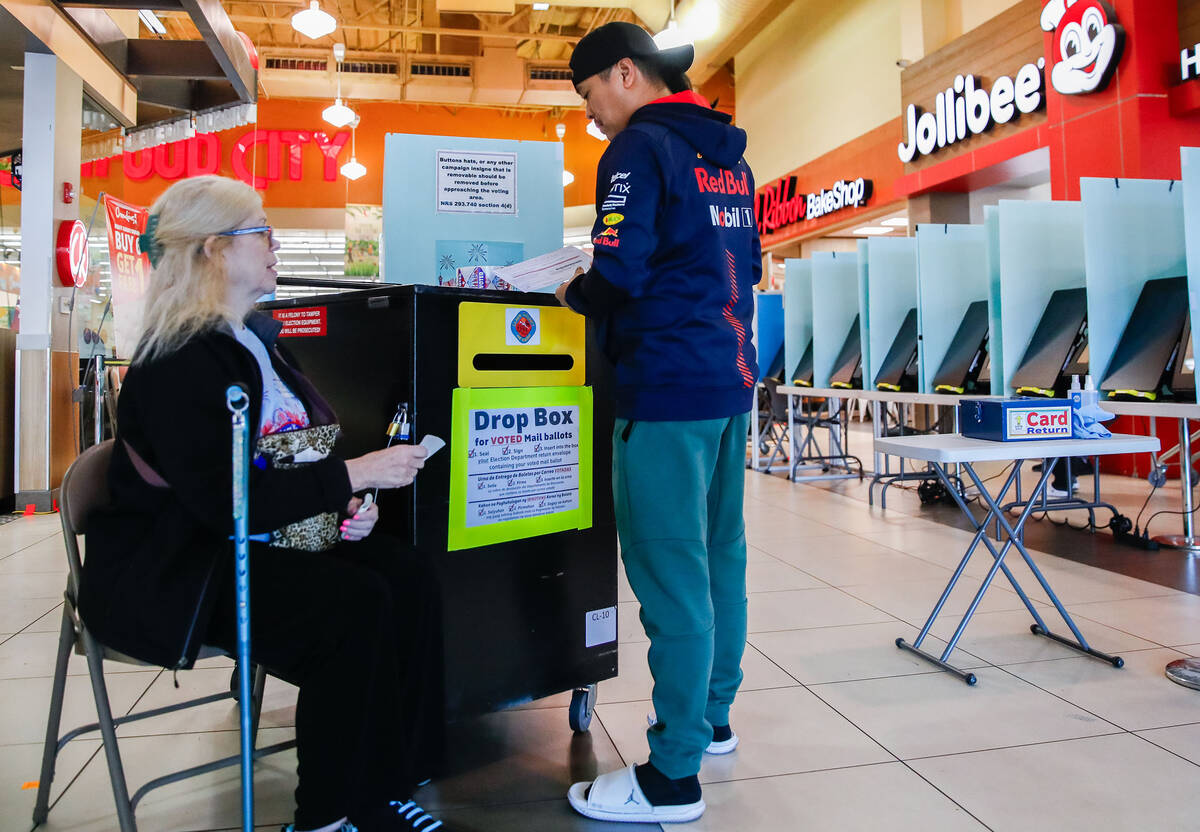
265, 327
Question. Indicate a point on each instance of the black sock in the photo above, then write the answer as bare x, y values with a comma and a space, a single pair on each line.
661, 790
721, 733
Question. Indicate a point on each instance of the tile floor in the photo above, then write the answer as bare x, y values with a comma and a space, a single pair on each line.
840, 730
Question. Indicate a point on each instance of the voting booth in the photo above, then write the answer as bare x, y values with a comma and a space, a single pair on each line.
515, 514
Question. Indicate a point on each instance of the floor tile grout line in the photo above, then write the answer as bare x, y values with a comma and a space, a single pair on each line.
807, 685
31, 545
1085, 710
946, 794
1079, 616
1166, 727
1116, 733
833, 708
1163, 747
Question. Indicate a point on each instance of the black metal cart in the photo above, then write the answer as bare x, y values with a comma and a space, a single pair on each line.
514, 612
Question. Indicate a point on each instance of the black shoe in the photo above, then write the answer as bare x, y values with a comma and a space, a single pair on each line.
400, 816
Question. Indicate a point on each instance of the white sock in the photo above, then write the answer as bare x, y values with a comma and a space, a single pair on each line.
333, 827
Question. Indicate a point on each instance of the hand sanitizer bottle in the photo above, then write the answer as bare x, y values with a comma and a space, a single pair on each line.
1090, 396
1076, 392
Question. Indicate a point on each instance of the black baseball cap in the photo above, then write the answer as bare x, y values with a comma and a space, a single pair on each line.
599, 50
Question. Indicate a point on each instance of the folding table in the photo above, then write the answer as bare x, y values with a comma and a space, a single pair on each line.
953, 449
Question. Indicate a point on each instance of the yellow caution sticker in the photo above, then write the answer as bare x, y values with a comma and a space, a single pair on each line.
1037, 391
1138, 394
947, 388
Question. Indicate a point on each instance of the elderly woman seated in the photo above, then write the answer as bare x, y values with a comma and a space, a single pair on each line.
349, 617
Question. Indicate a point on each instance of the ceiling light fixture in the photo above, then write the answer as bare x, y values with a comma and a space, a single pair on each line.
702, 20
152, 22
673, 35
541, 7
872, 230
595, 132
353, 169
312, 22
337, 113
568, 178
898, 222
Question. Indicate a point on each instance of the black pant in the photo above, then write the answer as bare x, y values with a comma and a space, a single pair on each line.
358, 629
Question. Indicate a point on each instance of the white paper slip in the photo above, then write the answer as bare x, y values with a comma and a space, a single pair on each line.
432, 444
547, 271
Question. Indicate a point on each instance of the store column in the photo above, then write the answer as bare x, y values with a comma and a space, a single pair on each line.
51, 129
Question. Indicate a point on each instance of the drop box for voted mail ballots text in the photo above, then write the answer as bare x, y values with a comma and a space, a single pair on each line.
515, 514
1015, 420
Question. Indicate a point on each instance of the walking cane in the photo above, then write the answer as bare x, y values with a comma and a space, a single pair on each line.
237, 400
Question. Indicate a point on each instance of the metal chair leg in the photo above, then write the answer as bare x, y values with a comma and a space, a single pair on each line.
116, 771
260, 683
66, 640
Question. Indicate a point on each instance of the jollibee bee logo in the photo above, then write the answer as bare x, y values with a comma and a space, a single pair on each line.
1088, 42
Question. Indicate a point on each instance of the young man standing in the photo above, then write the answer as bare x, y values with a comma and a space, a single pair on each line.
676, 259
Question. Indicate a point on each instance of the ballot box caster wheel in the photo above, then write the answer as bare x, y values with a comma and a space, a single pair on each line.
970, 679
583, 702
1118, 662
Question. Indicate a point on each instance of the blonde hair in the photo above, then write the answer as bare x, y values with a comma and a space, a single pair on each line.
188, 286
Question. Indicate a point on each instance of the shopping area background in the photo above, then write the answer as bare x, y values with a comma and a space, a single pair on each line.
98, 121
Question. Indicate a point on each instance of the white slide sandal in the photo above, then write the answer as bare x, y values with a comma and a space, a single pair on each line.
616, 796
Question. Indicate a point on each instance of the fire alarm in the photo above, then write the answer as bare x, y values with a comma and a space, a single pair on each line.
68, 193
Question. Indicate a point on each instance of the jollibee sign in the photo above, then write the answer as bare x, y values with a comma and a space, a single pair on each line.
967, 108
1088, 43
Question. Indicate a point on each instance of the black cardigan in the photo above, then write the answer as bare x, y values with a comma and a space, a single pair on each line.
155, 554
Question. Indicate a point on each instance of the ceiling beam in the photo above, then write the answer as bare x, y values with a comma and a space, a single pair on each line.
217, 30
189, 59
738, 39
135, 5
424, 30
62, 36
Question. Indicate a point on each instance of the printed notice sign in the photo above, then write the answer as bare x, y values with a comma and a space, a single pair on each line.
1039, 423
301, 323
476, 183
521, 463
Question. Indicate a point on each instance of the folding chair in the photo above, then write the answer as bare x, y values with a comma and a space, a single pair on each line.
85, 488
771, 427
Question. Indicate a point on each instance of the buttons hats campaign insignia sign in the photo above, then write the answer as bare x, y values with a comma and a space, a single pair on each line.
523, 327
71, 253
1088, 42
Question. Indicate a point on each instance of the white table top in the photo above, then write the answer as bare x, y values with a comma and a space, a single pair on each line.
954, 447
1165, 410
877, 395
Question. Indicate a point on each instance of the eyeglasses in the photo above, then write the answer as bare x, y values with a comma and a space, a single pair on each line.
265, 230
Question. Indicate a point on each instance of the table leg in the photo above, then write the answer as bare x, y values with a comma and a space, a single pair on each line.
1040, 628
1013, 534
1187, 540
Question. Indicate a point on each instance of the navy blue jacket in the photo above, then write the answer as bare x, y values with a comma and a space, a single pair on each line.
676, 259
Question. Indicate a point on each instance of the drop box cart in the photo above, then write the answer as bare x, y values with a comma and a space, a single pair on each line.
515, 514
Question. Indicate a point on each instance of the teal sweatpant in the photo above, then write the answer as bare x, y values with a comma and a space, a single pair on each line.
678, 489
